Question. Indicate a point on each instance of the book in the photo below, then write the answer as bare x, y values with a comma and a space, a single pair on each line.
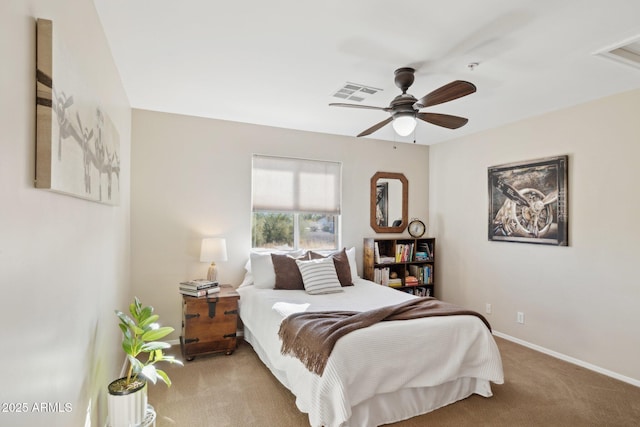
417, 271
401, 251
381, 276
427, 248
395, 283
198, 284
411, 281
404, 252
421, 256
200, 293
189, 289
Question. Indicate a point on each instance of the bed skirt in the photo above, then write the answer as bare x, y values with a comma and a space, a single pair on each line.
392, 407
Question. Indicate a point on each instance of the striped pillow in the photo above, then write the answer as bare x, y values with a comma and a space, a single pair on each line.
319, 276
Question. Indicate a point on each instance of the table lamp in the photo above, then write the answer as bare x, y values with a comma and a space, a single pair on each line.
213, 249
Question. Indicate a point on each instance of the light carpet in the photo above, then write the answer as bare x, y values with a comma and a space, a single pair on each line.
539, 390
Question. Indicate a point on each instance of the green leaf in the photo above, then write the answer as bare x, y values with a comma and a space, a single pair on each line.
126, 319
136, 364
149, 320
156, 334
137, 330
126, 346
171, 359
144, 314
136, 348
155, 345
164, 377
156, 356
150, 373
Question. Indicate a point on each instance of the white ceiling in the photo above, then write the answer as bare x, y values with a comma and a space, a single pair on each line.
278, 62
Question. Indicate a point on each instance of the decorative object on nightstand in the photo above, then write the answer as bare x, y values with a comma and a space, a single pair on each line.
213, 249
209, 323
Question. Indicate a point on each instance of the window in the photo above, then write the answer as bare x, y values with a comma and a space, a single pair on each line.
295, 203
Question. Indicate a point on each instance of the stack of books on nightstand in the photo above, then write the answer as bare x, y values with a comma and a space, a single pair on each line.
199, 288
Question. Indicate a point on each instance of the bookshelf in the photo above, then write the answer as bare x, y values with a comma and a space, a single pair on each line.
393, 262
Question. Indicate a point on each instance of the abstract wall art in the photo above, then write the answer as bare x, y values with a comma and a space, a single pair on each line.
77, 144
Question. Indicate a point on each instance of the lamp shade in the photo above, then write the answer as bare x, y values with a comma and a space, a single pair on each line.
404, 124
213, 249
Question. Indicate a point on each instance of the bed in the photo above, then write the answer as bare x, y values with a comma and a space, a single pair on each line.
384, 373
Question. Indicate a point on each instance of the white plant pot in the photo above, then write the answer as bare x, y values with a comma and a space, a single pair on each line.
129, 409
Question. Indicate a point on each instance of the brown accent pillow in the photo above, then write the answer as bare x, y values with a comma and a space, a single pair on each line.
341, 262
287, 272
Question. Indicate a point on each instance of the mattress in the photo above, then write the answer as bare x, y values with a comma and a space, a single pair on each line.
387, 372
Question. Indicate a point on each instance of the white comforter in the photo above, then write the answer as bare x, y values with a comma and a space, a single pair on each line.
383, 358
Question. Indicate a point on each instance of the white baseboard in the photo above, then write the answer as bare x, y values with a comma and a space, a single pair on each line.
569, 359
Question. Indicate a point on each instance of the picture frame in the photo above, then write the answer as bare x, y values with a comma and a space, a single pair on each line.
77, 144
528, 201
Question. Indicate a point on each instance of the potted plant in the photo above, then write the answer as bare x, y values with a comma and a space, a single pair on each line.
127, 399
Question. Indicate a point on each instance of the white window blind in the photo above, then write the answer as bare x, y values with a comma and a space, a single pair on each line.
283, 184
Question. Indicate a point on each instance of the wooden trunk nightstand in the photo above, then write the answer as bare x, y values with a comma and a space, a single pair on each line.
209, 324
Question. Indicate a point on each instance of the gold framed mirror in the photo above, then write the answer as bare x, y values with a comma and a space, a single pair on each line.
389, 202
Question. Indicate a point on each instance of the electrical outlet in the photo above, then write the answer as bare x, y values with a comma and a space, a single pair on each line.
520, 318
487, 308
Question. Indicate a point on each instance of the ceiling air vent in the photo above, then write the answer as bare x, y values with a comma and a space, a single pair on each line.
355, 92
626, 52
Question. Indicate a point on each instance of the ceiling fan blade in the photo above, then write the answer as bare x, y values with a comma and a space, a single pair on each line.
444, 120
375, 127
368, 107
449, 92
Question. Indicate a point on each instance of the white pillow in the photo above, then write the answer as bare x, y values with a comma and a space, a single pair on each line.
351, 255
262, 270
319, 276
248, 280
261, 267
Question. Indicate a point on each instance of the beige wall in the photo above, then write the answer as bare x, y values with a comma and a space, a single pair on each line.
64, 261
580, 301
191, 177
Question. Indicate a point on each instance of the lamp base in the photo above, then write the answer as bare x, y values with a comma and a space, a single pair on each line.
212, 274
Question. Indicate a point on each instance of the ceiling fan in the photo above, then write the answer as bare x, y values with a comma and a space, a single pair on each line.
405, 107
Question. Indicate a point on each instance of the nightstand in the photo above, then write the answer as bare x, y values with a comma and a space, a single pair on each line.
209, 323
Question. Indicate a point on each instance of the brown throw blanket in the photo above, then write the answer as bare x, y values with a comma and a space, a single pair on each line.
310, 336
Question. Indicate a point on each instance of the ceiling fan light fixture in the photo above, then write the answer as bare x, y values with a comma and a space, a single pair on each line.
404, 109
404, 123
